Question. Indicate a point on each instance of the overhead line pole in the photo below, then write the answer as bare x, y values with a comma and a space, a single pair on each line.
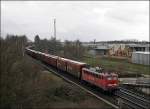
55, 34
55, 28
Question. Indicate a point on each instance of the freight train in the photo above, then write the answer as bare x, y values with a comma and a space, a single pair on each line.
107, 81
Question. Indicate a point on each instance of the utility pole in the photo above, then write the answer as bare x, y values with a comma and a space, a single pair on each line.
55, 28
55, 34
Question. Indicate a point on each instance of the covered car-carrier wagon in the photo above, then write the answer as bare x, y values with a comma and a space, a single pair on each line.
75, 67
50, 59
62, 64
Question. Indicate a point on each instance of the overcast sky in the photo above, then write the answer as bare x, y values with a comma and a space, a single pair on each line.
83, 20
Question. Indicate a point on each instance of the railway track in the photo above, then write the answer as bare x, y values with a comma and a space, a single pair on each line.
143, 85
108, 99
132, 99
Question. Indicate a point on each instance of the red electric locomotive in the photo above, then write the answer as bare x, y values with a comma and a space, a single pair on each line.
104, 80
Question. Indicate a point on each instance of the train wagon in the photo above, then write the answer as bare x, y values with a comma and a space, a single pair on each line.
36, 54
106, 81
32, 53
75, 67
50, 59
54, 60
27, 51
39, 55
62, 63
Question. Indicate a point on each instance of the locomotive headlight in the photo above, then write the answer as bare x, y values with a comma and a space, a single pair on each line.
109, 78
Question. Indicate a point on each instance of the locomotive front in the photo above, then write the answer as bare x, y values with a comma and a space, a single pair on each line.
108, 81
111, 81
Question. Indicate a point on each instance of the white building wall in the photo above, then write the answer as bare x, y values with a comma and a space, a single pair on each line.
141, 58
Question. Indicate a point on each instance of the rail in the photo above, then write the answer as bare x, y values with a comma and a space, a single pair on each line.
143, 85
133, 99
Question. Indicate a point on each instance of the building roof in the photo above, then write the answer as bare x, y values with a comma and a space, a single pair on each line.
138, 45
102, 48
140, 52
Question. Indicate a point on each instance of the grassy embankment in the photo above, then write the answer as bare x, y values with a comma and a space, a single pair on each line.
123, 67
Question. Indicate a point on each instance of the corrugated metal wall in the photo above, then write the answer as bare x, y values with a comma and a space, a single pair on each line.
141, 58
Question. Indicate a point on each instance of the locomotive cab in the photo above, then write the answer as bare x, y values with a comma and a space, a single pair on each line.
104, 80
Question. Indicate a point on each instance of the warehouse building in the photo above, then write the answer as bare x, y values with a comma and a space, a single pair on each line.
141, 58
101, 50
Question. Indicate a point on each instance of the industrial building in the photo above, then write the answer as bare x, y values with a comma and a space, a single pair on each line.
101, 50
141, 58
121, 50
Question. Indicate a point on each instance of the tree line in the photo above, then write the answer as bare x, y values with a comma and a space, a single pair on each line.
68, 49
12, 70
